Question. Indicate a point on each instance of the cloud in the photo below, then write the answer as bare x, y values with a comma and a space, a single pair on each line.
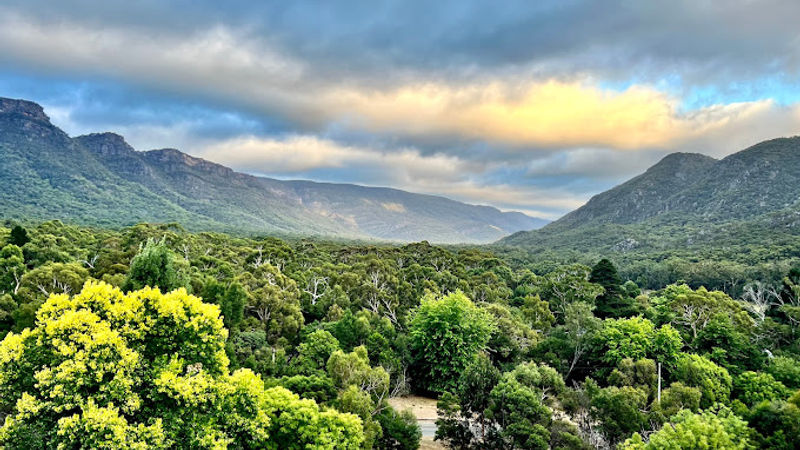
387, 41
532, 106
548, 203
736, 127
545, 114
585, 162
244, 71
213, 63
401, 168
304, 153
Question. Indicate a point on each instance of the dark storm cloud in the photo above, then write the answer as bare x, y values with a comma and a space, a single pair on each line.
694, 40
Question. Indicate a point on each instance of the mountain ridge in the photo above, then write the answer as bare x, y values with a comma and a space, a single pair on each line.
683, 199
669, 174
100, 179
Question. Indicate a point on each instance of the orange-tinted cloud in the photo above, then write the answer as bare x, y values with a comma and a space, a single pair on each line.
548, 114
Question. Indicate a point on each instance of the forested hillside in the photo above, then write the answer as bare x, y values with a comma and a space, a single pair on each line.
150, 336
687, 188
689, 217
98, 179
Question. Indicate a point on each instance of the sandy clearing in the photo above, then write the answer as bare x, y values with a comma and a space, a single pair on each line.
423, 408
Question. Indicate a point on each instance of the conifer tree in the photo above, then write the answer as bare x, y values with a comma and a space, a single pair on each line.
613, 302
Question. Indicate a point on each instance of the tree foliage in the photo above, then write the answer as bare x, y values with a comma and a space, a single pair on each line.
687, 430
713, 381
18, 236
154, 266
327, 332
146, 370
445, 334
614, 301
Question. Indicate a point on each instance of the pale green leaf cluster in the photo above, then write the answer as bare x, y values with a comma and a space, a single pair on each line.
638, 338
705, 430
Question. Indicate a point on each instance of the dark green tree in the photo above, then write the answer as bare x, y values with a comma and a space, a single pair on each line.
314, 352
788, 294
400, 430
777, 424
7, 308
465, 412
19, 236
614, 302
620, 411
230, 297
521, 408
475, 386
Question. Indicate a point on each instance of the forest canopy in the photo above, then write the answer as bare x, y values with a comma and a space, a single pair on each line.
151, 336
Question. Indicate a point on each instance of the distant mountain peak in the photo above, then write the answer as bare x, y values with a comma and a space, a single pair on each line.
679, 158
642, 196
24, 108
175, 155
679, 165
171, 159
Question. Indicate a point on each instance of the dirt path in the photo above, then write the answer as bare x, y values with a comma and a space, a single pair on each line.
424, 409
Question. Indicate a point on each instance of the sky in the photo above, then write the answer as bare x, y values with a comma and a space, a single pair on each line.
526, 106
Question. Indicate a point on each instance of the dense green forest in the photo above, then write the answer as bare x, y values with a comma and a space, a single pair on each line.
728, 263
152, 337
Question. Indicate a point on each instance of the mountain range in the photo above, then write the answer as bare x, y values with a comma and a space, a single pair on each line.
98, 179
687, 199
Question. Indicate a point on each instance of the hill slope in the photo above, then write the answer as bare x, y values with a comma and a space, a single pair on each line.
99, 179
684, 200
642, 197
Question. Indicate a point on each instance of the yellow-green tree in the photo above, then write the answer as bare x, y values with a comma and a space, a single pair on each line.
687, 430
106, 369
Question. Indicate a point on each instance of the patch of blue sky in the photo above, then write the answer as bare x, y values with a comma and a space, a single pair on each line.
779, 89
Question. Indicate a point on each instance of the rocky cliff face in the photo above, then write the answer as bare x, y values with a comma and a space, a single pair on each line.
173, 160
116, 154
26, 109
106, 144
